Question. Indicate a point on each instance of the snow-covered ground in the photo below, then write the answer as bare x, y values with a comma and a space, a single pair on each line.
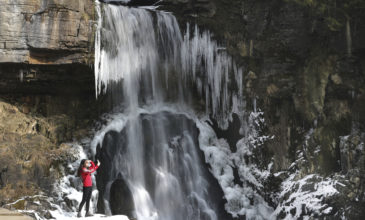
72, 216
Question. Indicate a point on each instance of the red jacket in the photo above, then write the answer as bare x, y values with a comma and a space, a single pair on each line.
86, 174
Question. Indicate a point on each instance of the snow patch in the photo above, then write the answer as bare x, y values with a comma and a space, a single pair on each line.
305, 195
243, 199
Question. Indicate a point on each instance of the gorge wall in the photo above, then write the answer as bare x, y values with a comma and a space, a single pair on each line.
304, 68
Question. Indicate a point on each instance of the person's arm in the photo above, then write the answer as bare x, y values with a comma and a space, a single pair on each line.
91, 170
95, 166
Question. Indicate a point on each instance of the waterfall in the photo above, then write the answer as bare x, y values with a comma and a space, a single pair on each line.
152, 166
155, 155
134, 47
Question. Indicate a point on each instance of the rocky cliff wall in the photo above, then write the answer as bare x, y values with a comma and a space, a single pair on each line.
46, 31
46, 94
37, 36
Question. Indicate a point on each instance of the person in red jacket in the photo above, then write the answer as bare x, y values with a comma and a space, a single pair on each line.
87, 167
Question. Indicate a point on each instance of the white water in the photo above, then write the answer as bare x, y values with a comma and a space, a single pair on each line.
134, 48
179, 188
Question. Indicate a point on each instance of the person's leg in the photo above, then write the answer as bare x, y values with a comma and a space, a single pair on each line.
89, 191
84, 197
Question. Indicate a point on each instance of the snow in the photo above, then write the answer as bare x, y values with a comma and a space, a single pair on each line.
309, 191
222, 160
73, 216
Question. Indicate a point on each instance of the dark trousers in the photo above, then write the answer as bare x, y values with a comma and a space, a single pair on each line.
86, 196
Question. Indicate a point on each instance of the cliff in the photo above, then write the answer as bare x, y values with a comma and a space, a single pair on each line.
46, 49
46, 32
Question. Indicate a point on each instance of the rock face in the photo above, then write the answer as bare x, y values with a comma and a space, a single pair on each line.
38, 35
30, 148
46, 95
121, 199
46, 31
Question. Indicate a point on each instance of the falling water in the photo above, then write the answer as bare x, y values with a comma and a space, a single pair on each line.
151, 158
155, 156
133, 47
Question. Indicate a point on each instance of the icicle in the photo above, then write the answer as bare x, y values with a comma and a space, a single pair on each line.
129, 47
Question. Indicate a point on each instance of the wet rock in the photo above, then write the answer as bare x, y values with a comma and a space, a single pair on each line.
121, 199
200, 8
231, 133
336, 79
272, 89
68, 79
311, 101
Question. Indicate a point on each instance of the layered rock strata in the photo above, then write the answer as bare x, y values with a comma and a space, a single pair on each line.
46, 32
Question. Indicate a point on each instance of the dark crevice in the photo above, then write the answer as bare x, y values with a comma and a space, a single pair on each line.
231, 134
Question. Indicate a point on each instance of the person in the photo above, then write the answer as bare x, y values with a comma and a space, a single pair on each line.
86, 168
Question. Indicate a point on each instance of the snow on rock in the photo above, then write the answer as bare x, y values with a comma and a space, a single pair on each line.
242, 200
305, 197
